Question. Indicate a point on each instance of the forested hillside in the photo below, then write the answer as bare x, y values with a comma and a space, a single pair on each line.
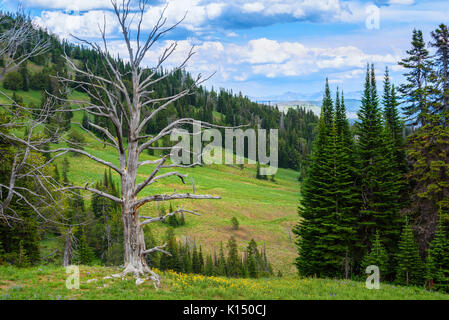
99, 238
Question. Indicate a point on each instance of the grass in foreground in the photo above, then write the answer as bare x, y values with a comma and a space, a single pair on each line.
48, 282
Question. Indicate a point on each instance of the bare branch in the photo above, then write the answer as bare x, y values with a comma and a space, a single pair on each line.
163, 218
158, 248
93, 190
174, 196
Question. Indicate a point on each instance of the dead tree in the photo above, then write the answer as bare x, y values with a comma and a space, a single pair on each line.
131, 108
19, 43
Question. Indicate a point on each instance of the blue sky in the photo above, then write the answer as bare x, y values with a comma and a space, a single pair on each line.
265, 48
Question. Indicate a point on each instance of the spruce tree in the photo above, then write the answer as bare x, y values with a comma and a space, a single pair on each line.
251, 253
415, 91
209, 268
56, 175
201, 261
22, 259
377, 256
195, 260
233, 262
379, 179
317, 203
409, 270
392, 120
83, 254
437, 264
440, 76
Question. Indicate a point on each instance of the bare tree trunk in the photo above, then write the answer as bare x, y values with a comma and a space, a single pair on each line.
68, 249
134, 245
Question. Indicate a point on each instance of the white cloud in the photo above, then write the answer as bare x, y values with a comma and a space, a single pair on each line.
84, 25
403, 2
78, 5
253, 7
267, 58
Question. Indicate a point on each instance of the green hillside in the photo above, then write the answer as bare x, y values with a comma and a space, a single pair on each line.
265, 209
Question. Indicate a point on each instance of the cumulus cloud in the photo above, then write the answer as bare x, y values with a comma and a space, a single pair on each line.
78, 5
84, 25
266, 58
209, 14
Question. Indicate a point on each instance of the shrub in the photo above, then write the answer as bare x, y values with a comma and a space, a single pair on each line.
235, 223
13, 81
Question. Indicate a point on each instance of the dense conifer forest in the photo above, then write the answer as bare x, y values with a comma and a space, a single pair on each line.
373, 196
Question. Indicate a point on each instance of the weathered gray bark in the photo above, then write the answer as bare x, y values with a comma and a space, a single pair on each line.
67, 260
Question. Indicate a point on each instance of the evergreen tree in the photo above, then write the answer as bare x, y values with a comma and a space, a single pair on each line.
22, 261
233, 262
437, 264
440, 76
252, 252
377, 256
65, 170
235, 223
209, 268
415, 91
195, 260
182, 220
380, 181
317, 202
221, 262
201, 261
83, 254
409, 269
427, 151
56, 175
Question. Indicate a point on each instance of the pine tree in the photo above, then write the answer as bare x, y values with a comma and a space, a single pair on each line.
56, 175
22, 260
377, 256
251, 251
235, 223
65, 170
440, 76
317, 202
182, 220
83, 254
437, 264
195, 260
345, 195
379, 179
409, 270
201, 261
427, 151
415, 91
209, 268
393, 123
233, 262
222, 269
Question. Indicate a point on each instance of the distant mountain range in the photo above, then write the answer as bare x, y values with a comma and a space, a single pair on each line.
311, 101
296, 96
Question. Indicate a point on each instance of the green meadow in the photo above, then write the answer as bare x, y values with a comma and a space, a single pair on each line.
49, 283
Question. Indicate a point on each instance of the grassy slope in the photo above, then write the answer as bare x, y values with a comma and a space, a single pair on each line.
49, 283
266, 211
